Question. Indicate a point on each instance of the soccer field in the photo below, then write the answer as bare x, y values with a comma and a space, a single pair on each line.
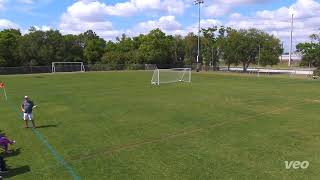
116, 125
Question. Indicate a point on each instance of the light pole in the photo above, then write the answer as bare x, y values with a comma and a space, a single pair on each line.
290, 52
198, 2
259, 60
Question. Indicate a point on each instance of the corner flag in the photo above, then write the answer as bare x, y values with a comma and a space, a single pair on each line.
4, 90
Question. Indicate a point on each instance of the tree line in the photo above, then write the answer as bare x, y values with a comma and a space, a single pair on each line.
310, 51
218, 45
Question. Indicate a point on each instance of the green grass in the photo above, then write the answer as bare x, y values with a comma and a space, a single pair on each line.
115, 125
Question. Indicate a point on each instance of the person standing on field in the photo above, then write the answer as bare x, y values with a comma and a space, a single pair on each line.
26, 107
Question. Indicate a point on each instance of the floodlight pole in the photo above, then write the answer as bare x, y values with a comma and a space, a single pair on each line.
290, 52
259, 60
198, 2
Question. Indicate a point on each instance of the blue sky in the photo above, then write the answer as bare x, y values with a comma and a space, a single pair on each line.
111, 18
48, 12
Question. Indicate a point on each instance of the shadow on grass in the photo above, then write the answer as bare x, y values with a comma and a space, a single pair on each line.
46, 126
39, 77
16, 171
14, 152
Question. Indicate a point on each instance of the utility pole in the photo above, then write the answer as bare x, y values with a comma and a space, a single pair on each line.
198, 2
289, 63
281, 53
259, 60
212, 56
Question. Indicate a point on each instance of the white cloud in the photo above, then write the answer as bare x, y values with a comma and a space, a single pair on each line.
95, 15
204, 23
6, 24
2, 4
301, 9
217, 8
133, 7
128, 8
168, 24
75, 25
32, 2
43, 28
143, 4
174, 6
26, 1
121, 9
243, 1
81, 17
87, 14
87, 11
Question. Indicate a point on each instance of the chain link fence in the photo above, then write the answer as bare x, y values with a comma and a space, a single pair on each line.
95, 67
123, 67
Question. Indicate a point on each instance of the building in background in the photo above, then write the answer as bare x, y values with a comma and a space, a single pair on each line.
295, 58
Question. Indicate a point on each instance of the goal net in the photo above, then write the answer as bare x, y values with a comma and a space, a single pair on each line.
67, 67
150, 67
161, 76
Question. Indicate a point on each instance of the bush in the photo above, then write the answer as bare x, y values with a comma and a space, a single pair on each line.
316, 72
135, 66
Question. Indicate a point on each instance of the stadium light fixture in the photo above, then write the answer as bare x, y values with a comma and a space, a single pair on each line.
198, 2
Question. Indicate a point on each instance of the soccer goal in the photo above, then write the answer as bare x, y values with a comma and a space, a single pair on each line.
161, 76
67, 67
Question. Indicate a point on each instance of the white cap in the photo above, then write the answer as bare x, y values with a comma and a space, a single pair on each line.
26, 97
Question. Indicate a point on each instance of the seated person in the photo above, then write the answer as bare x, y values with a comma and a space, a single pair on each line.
4, 143
3, 166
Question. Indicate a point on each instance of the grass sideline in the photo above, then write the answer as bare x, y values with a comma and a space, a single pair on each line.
115, 125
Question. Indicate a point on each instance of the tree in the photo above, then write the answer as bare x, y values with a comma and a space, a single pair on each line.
94, 50
123, 51
310, 51
178, 50
156, 48
9, 42
243, 47
41, 47
229, 46
88, 35
94, 46
315, 37
190, 43
72, 48
53, 47
270, 50
210, 46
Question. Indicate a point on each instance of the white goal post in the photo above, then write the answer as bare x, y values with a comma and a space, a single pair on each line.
67, 67
161, 76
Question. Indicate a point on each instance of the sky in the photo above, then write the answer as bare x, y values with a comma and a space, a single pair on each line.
111, 18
